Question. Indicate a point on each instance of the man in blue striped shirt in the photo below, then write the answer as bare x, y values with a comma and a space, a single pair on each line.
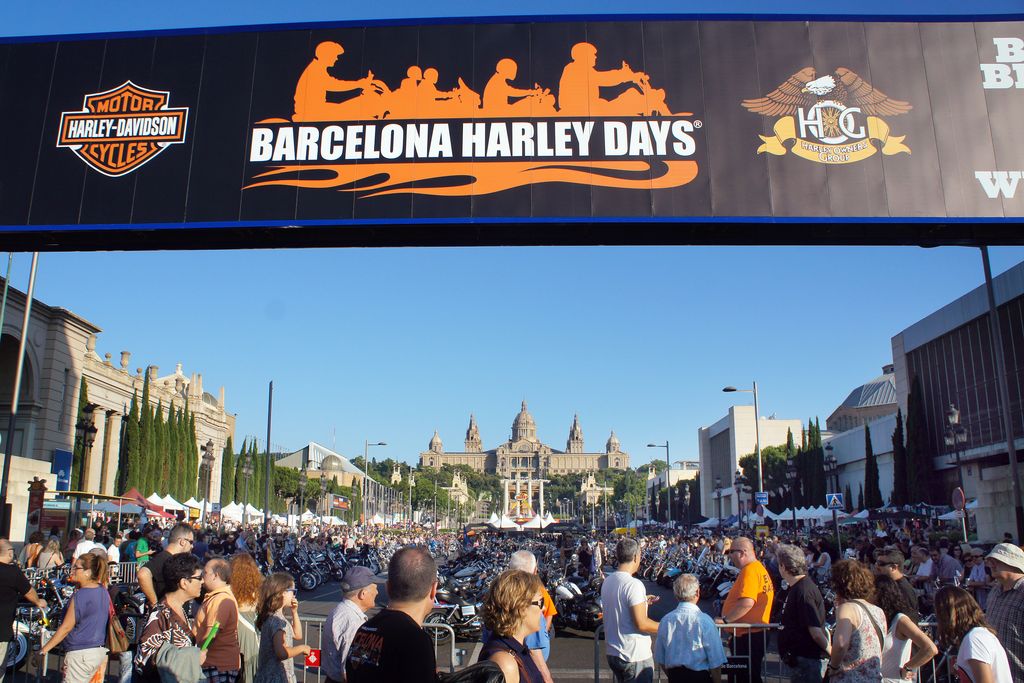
689, 646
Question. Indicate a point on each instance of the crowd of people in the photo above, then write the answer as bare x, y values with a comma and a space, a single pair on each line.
881, 611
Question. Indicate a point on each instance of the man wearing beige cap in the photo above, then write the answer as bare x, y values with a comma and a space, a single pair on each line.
1005, 610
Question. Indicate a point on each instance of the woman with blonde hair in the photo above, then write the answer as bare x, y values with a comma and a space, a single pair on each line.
511, 611
83, 629
980, 657
277, 637
50, 556
859, 636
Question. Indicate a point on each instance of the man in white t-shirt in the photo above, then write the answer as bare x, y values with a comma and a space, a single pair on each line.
627, 628
87, 543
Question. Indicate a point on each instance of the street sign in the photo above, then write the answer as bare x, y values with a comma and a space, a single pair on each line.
959, 499
834, 501
761, 497
313, 658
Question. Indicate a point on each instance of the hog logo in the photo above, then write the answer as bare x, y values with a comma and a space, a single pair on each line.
119, 130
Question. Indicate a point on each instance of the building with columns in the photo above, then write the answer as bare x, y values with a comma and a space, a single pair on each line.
61, 349
524, 456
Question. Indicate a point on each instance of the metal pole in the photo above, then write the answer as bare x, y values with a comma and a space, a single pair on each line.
363, 489
835, 521
270, 462
757, 442
7, 284
668, 457
5, 521
1004, 395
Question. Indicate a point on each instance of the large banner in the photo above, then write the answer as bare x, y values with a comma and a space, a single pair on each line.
673, 121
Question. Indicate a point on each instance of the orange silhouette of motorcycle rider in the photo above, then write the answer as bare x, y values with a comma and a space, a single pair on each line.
315, 83
499, 95
579, 89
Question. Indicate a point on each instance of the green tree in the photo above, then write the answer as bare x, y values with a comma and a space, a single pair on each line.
918, 470
227, 473
192, 463
773, 467
78, 476
177, 477
848, 499
860, 498
899, 464
130, 462
148, 459
160, 441
872, 492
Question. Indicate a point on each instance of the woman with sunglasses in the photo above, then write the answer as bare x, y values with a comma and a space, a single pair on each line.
83, 629
511, 611
169, 622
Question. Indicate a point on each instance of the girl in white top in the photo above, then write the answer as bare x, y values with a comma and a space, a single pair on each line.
907, 648
980, 657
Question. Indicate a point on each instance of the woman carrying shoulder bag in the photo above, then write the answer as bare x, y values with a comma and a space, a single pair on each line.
83, 630
511, 611
859, 636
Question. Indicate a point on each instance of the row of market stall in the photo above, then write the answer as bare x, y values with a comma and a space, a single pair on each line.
821, 515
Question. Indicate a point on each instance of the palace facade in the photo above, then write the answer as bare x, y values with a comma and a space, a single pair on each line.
523, 456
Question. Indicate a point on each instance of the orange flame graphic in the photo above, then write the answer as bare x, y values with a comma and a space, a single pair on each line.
467, 178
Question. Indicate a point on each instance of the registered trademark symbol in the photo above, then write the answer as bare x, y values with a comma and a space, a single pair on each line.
698, 124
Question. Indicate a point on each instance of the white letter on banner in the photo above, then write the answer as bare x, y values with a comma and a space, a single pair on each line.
1009, 49
261, 147
616, 138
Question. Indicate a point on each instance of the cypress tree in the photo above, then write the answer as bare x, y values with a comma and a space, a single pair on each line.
899, 463
173, 454
146, 440
918, 470
78, 477
128, 471
860, 497
227, 474
193, 458
160, 437
239, 492
872, 490
261, 478
848, 499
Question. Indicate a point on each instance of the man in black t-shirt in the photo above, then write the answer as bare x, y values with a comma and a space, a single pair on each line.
151, 576
393, 646
890, 563
13, 588
803, 645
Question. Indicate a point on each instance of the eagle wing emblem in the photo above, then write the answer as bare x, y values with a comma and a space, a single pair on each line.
854, 91
788, 97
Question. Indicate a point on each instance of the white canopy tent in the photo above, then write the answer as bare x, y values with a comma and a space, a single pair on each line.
193, 503
155, 499
708, 523
171, 504
231, 511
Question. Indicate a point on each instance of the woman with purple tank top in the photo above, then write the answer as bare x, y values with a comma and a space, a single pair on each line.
83, 630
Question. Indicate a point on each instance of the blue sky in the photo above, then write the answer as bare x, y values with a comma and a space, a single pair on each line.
390, 344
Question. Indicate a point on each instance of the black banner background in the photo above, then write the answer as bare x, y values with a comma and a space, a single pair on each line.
230, 81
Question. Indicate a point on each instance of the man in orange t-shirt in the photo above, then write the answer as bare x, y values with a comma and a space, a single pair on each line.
749, 602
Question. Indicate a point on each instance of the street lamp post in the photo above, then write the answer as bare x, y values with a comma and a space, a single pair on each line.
832, 470
323, 491
247, 475
739, 488
686, 504
757, 432
956, 437
207, 462
668, 461
364, 489
304, 472
85, 433
718, 497
791, 476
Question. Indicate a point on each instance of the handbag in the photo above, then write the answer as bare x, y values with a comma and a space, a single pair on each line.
117, 640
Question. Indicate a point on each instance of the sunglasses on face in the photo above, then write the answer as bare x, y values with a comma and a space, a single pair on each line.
196, 578
538, 603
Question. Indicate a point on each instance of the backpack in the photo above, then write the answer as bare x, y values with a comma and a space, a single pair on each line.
481, 672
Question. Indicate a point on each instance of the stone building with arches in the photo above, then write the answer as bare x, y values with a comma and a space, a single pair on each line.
524, 456
60, 351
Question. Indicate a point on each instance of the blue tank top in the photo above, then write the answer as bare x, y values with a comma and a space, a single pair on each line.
92, 609
528, 671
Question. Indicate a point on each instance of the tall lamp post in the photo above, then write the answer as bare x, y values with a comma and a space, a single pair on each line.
366, 468
323, 491
718, 497
85, 433
686, 503
740, 490
832, 470
207, 463
757, 432
956, 437
247, 475
668, 461
791, 476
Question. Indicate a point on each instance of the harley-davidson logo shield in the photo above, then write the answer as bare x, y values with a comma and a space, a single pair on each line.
119, 130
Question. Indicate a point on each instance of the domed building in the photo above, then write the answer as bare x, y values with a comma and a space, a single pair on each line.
524, 456
315, 459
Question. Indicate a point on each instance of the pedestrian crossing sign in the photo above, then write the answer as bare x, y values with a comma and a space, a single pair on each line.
834, 501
